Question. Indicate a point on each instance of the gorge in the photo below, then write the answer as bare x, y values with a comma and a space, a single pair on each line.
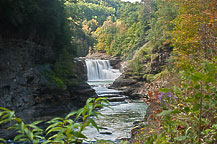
153, 62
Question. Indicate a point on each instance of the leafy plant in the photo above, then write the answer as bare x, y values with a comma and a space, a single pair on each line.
26, 132
66, 130
60, 130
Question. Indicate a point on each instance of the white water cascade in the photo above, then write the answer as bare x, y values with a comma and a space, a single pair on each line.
101, 70
118, 119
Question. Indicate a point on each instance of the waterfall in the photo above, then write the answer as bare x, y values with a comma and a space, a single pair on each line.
101, 70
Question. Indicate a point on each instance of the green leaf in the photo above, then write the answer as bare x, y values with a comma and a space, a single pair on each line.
70, 114
3, 113
101, 99
82, 136
76, 125
187, 109
214, 88
36, 129
84, 117
47, 141
28, 133
79, 113
5, 116
206, 106
21, 127
70, 121
98, 113
4, 109
56, 136
3, 140
23, 140
197, 87
75, 133
54, 120
89, 108
181, 138
18, 120
52, 126
40, 137
88, 101
196, 107
55, 129
210, 79
95, 114
18, 137
4, 121
93, 123
197, 97
197, 76
165, 90
11, 115
37, 122
36, 141
207, 97
167, 112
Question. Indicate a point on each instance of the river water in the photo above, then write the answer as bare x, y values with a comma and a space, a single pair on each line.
117, 121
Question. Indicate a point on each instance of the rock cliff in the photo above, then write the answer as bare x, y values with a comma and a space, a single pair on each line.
140, 73
24, 89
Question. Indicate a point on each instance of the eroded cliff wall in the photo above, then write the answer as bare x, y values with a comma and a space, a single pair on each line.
24, 89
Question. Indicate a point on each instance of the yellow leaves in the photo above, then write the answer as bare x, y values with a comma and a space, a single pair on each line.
181, 105
166, 42
69, 18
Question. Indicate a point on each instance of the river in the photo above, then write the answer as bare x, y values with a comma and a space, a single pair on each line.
117, 121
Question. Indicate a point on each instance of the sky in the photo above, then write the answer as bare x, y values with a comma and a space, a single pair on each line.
132, 0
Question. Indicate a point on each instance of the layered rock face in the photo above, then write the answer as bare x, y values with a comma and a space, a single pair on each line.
80, 68
24, 89
136, 80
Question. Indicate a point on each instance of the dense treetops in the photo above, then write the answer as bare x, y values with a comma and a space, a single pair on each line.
41, 21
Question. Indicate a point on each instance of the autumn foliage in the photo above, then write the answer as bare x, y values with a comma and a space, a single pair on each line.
190, 117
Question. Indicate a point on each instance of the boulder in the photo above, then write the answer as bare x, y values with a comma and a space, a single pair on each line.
121, 82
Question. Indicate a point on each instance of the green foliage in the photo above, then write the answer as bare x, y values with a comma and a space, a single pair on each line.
26, 132
191, 117
98, 12
66, 130
194, 116
141, 63
53, 80
210, 134
61, 75
161, 22
2, 140
41, 21
85, 17
60, 130
125, 35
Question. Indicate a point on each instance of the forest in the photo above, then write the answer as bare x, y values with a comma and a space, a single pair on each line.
168, 44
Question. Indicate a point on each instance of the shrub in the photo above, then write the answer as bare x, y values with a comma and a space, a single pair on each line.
60, 130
